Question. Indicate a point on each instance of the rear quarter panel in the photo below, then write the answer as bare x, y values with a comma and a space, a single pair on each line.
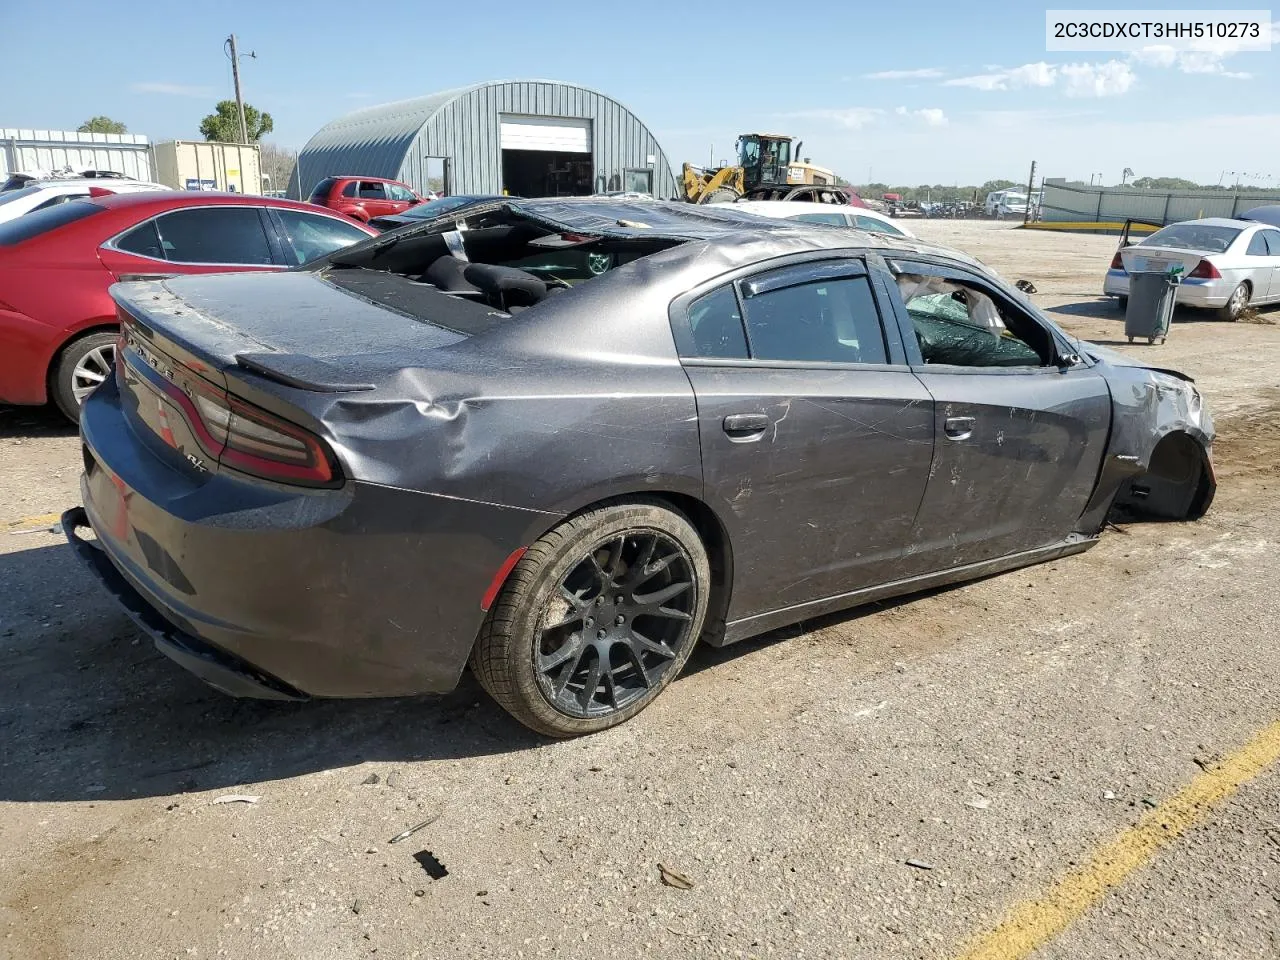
48, 296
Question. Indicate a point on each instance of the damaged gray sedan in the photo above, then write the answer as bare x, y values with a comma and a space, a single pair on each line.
564, 441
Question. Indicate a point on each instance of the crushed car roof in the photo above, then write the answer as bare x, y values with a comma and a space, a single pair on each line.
622, 218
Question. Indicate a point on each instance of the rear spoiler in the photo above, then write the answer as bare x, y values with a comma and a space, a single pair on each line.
298, 370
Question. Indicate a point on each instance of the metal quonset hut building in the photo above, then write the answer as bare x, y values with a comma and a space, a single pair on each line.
528, 137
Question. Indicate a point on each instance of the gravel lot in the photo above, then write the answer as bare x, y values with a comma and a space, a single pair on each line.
997, 732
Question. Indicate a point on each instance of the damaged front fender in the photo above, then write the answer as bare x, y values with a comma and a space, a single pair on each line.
1159, 457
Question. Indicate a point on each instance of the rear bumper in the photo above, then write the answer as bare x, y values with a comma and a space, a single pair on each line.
366, 591
1192, 292
1116, 284
216, 668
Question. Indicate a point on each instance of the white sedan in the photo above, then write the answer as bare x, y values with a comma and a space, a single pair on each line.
47, 193
1226, 264
836, 215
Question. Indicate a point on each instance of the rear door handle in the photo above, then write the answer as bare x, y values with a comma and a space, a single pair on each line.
745, 426
959, 428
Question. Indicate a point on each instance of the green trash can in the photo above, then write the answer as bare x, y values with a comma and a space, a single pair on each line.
1151, 299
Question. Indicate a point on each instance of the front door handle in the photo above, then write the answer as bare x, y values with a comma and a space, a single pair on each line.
959, 428
745, 426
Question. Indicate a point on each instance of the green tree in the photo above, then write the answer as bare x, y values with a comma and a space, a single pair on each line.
991, 186
1165, 183
223, 125
102, 125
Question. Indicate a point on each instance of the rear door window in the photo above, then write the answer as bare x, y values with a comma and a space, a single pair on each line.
1273, 242
43, 221
816, 313
1257, 245
372, 190
716, 323
215, 235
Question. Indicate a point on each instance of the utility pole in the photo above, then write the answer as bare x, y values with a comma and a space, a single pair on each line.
235, 76
1031, 185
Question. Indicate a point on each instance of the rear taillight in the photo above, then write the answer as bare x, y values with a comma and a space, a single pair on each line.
1116, 262
267, 446
248, 438
1205, 271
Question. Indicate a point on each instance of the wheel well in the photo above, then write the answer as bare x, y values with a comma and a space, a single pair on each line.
66, 345
1178, 483
714, 537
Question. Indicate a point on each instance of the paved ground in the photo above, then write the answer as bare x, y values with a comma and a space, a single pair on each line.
1002, 733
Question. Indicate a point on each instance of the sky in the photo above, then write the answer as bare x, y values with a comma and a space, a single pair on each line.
937, 92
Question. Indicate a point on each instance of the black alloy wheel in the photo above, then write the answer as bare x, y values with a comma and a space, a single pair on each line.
616, 624
596, 619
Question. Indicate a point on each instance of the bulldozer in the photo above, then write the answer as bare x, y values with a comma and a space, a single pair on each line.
763, 160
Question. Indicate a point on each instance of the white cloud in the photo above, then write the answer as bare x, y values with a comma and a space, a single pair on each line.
1155, 56
1033, 75
1028, 75
932, 116
1110, 79
1209, 62
853, 118
923, 73
172, 89
982, 81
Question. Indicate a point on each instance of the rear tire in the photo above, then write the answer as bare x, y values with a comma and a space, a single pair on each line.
1236, 304
596, 619
1122, 304
83, 365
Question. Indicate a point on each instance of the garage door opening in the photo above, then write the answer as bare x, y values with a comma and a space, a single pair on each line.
546, 156
546, 173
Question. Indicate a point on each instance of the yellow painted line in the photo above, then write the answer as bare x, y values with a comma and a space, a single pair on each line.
1088, 225
43, 520
1034, 923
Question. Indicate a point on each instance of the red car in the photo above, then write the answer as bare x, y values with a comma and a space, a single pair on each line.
57, 323
363, 198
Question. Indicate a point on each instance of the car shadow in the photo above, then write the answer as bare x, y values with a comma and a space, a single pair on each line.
89, 710
23, 422
1100, 309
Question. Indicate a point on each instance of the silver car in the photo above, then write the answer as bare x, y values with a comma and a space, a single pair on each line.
1226, 264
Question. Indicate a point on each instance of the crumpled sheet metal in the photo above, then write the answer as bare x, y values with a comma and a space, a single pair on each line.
1149, 405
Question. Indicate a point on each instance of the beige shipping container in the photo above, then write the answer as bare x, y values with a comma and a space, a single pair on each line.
202, 165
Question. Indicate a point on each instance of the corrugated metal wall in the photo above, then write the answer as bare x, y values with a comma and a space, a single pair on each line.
1065, 202
463, 125
26, 151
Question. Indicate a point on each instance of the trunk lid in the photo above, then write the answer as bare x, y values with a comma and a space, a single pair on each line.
1144, 258
213, 319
